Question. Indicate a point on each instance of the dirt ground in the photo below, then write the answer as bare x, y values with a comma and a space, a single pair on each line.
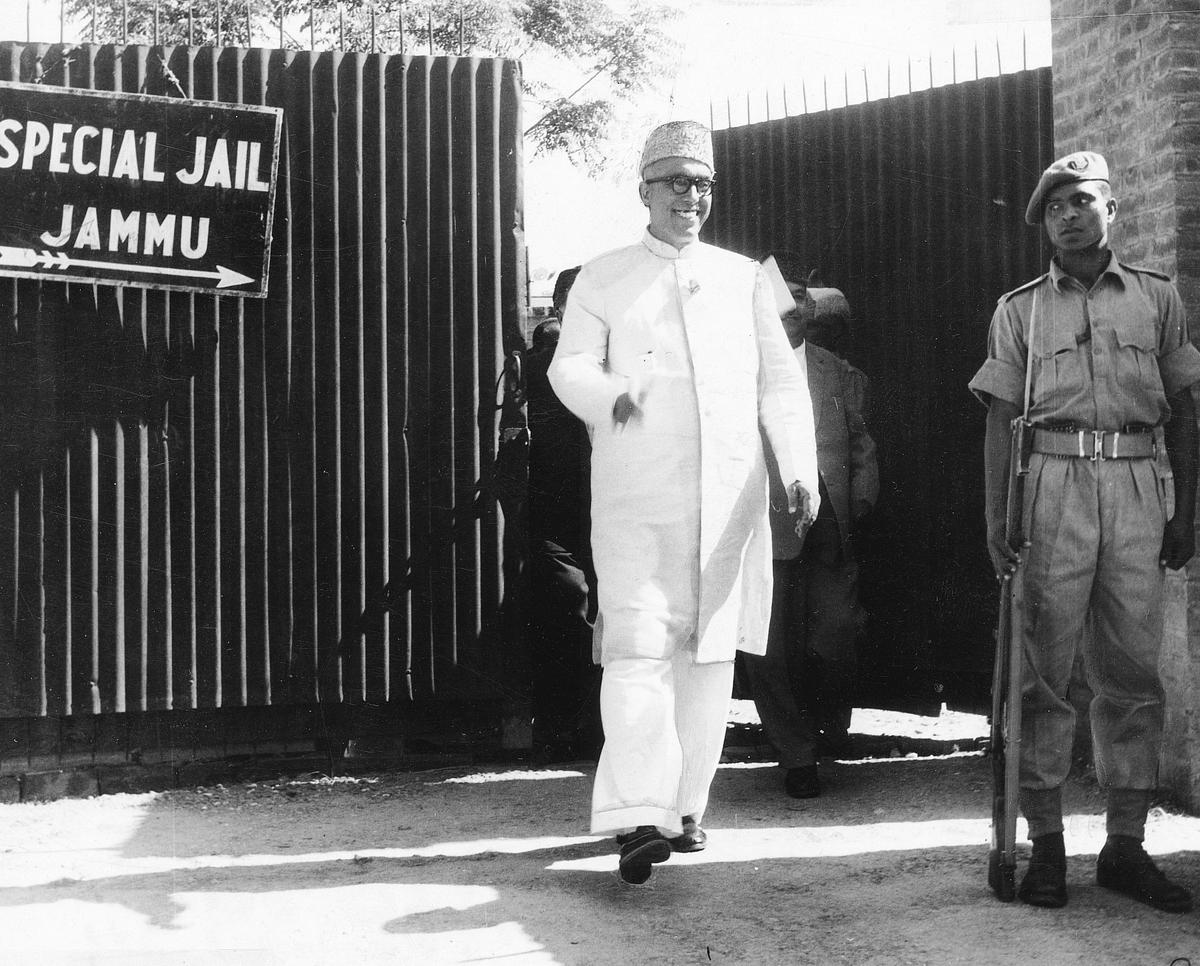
493, 864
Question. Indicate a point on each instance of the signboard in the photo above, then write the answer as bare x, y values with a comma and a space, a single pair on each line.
134, 189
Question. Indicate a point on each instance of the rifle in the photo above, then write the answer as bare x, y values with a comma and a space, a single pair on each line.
1005, 739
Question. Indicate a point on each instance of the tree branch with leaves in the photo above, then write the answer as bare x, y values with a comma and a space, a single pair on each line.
583, 59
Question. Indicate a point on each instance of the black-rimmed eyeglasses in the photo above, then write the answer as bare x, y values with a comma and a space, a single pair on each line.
681, 185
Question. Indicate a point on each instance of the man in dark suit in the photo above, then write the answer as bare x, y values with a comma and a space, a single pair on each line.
561, 601
802, 686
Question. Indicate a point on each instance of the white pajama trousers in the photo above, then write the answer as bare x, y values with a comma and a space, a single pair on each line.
664, 728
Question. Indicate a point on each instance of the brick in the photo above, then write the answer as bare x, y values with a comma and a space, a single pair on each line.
1143, 22
1183, 32
1179, 59
1189, 262
1177, 82
1123, 57
1186, 136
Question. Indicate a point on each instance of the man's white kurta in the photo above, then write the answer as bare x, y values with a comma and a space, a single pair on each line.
680, 537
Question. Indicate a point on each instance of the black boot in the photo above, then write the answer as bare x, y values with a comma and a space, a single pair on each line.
1124, 866
1045, 882
640, 849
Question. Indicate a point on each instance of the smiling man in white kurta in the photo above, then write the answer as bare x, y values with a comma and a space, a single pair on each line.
673, 354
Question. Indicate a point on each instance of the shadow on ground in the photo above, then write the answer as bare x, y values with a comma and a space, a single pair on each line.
470, 865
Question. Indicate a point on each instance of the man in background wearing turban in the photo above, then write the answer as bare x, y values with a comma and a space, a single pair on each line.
673, 354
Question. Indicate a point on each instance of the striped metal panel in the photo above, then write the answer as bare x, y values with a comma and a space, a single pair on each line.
914, 206
209, 502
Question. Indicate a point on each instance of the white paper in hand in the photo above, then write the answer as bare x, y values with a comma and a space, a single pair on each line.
784, 302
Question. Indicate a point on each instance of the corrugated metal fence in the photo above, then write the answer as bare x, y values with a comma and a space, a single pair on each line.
914, 206
212, 502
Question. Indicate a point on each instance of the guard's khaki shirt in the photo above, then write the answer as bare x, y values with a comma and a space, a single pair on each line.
1105, 358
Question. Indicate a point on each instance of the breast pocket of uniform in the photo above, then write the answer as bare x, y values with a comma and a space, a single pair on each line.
1137, 354
1059, 373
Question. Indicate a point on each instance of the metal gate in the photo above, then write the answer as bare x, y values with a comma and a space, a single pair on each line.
211, 502
914, 207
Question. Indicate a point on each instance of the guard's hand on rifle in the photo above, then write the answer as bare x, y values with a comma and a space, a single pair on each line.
1005, 560
1179, 543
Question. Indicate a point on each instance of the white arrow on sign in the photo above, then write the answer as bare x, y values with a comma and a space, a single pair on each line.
30, 258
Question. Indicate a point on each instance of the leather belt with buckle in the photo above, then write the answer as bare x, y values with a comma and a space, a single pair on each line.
1094, 444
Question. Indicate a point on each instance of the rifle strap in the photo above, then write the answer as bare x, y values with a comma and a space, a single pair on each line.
1029, 343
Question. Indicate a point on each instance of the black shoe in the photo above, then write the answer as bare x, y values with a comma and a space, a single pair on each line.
640, 849
802, 782
1045, 882
1124, 866
693, 839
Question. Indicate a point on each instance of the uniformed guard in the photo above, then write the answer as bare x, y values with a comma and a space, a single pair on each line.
1095, 353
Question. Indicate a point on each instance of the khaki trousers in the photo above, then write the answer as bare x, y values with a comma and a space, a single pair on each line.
1091, 580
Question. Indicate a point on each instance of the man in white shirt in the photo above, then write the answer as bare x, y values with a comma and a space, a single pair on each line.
673, 355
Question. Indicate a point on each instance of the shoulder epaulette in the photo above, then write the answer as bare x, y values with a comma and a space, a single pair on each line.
1028, 285
1145, 271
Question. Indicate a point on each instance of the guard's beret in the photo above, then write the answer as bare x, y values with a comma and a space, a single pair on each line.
1080, 166
678, 139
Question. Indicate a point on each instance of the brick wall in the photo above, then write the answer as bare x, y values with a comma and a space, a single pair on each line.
1127, 84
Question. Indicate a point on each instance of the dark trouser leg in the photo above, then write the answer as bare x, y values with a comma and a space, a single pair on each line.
566, 684
788, 725
834, 620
